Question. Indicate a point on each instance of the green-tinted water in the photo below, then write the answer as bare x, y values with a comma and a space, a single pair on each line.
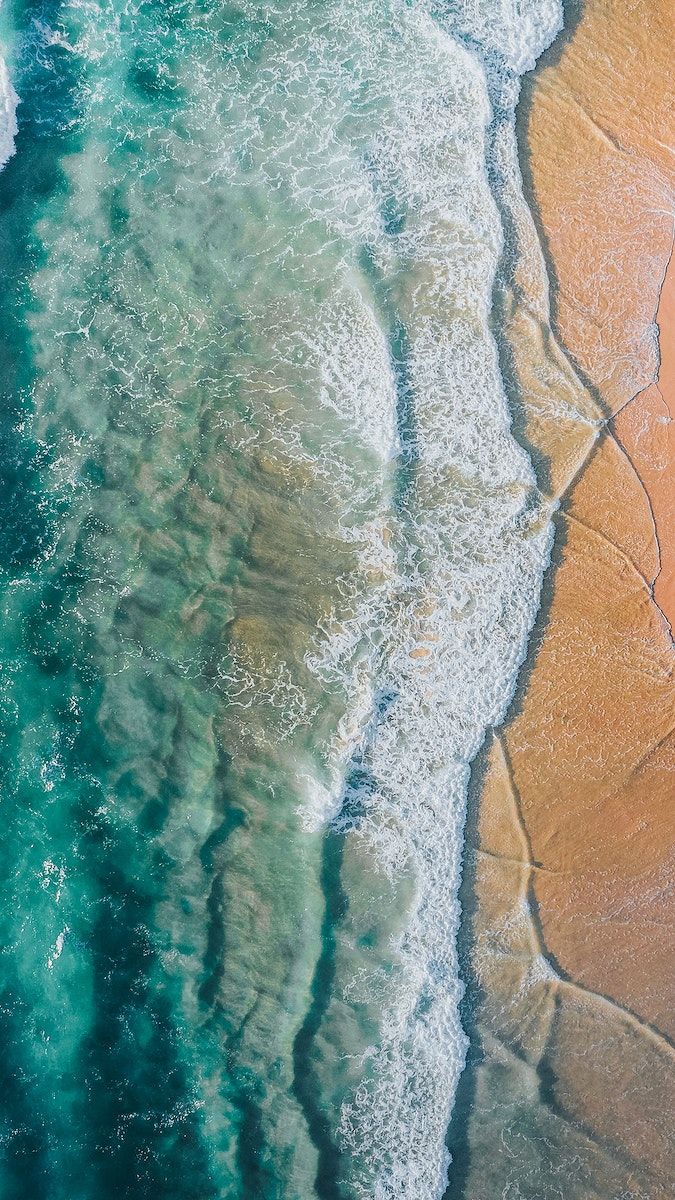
268, 556
163, 916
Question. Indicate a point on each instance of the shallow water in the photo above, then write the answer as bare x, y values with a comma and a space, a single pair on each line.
270, 556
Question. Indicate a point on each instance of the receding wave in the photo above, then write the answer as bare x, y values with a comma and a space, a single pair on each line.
467, 541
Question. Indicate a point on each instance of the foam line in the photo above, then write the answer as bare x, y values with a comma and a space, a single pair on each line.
470, 543
8, 125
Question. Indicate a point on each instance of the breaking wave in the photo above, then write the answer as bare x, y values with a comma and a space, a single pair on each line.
291, 557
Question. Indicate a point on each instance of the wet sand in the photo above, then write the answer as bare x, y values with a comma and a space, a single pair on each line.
568, 887
646, 430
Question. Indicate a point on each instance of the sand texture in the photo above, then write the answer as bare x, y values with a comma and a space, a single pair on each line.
568, 890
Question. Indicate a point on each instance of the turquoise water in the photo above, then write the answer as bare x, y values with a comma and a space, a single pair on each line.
269, 557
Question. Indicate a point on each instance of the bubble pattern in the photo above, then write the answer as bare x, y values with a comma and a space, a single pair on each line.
270, 560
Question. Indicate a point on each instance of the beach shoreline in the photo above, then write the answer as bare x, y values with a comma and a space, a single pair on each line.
564, 943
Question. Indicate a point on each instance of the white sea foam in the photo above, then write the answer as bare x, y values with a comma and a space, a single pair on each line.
377, 133
8, 125
367, 123
516, 31
470, 543
352, 147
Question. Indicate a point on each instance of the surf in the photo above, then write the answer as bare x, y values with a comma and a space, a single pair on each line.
295, 558
471, 539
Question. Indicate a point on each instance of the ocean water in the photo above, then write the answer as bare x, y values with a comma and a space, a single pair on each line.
270, 555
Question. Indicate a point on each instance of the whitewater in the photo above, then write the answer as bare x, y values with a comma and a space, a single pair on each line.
265, 382
468, 539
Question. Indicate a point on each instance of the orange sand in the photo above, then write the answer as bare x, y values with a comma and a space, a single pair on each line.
591, 750
600, 131
646, 429
573, 871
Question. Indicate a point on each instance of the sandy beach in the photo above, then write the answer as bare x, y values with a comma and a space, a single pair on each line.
336, 792
591, 754
568, 900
